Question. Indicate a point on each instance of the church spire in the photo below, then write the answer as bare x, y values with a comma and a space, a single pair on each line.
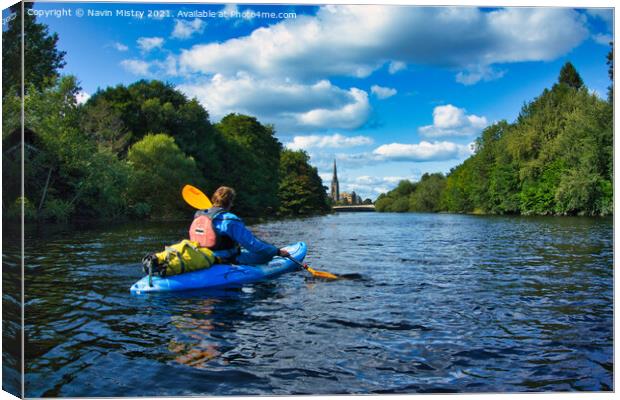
335, 187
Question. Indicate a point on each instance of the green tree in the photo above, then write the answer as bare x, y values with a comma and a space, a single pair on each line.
42, 59
104, 124
301, 190
65, 175
251, 154
504, 184
556, 158
427, 194
160, 170
570, 76
383, 202
120, 116
396, 200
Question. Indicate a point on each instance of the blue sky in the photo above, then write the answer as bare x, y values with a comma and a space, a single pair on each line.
390, 92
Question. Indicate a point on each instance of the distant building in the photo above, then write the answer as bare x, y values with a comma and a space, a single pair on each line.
346, 197
350, 198
335, 188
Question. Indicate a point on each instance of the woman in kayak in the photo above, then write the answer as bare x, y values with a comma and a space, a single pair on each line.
234, 242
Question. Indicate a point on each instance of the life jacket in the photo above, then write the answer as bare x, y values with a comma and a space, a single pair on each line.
203, 232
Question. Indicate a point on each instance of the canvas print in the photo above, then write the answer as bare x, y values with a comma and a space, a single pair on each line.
211, 199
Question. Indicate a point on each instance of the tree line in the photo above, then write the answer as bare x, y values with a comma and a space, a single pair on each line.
128, 150
555, 159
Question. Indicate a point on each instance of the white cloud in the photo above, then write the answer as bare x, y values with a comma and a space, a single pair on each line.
602, 38
230, 10
147, 44
374, 184
396, 66
478, 73
382, 92
327, 141
374, 180
82, 97
449, 120
288, 105
136, 67
168, 66
366, 186
119, 46
350, 116
358, 40
423, 151
185, 29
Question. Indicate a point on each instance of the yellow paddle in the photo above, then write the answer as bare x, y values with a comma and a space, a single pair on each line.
195, 198
315, 273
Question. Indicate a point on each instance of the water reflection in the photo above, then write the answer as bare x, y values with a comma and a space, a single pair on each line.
193, 348
435, 303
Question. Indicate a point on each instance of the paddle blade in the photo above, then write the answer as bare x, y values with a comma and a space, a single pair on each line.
321, 274
195, 198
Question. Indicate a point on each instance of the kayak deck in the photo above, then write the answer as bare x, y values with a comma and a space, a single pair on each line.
223, 275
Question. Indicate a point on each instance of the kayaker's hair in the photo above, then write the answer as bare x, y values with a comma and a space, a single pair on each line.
223, 197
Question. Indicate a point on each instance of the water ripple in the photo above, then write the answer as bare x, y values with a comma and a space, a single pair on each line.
434, 304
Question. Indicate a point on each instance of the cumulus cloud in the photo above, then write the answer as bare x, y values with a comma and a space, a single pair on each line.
370, 186
374, 185
449, 120
602, 38
352, 115
168, 66
185, 29
136, 67
288, 105
147, 44
232, 11
396, 66
327, 141
119, 46
377, 180
366, 186
423, 151
456, 38
382, 92
478, 73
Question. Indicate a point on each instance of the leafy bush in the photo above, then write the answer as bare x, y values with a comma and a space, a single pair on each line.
160, 170
57, 210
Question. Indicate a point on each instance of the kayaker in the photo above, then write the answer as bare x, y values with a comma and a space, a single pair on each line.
235, 242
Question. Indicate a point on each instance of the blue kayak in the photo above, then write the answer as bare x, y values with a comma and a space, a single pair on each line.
223, 275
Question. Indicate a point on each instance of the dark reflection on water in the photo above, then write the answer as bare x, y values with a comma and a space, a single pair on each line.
11, 315
443, 303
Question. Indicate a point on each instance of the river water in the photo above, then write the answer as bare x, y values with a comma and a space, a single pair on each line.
443, 303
